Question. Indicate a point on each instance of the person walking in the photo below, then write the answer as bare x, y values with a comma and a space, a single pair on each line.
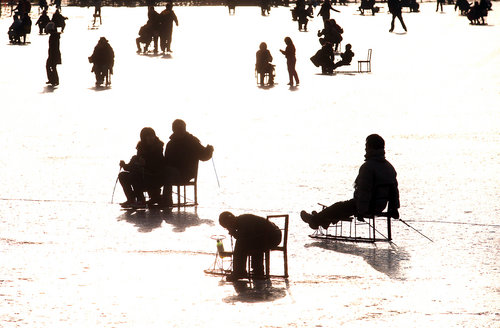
395, 10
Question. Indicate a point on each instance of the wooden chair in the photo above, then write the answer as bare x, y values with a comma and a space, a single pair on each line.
282, 247
368, 63
182, 199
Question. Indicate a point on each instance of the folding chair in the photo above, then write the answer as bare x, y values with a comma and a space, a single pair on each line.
368, 63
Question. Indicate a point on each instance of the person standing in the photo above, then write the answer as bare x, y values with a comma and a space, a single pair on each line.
167, 18
324, 11
395, 10
254, 235
54, 54
289, 53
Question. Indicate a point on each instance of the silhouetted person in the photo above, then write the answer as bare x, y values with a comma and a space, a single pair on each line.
476, 14
155, 22
167, 18
265, 7
145, 36
395, 10
15, 29
289, 53
103, 59
439, 3
182, 154
324, 57
375, 187
25, 25
43, 5
54, 58
263, 63
332, 32
144, 172
59, 20
346, 57
23, 7
97, 11
463, 5
231, 6
367, 5
254, 236
303, 16
324, 11
42, 22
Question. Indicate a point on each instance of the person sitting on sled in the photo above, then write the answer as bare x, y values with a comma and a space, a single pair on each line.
375, 187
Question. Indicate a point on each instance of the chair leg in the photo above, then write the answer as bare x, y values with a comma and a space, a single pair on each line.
267, 255
178, 196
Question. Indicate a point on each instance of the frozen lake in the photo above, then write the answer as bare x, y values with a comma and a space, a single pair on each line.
70, 258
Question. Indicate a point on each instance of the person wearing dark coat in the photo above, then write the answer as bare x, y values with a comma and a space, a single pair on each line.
145, 36
42, 22
395, 10
463, 5
103, 59
54, 58
167, 18
324, 11
16, 30
346, 57
182, 154
144, 172
375, 187
59, 20
332, 32
289, 53
263, 63
154, 20
254, 235
324, 57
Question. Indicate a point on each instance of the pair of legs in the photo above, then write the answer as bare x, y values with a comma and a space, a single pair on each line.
52, 76
400, 17
166, 40
101, 73
330, 215
292, 73
134, 184
146, 42
254, 246
439, 3
341, 63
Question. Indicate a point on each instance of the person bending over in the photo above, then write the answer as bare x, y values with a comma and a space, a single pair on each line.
254, 235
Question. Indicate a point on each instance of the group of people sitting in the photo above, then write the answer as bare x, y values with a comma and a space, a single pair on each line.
158, 26
330, 38
150, 169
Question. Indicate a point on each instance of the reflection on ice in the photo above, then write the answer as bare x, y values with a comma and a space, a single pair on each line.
384, 258
257, 291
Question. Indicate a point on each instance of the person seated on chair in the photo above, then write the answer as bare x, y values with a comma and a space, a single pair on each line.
182, 154
375, 186
103, 59
324, 57
15, 29
144, 172
42, 21
145, 36
346, 57
254, 236
263, 63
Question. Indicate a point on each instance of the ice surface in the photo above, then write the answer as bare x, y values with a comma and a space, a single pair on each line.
69, 258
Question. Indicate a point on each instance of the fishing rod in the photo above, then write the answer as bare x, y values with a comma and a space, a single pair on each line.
414, 229
216, 176
116, 182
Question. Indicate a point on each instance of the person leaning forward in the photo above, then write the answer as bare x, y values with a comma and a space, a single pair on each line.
182, 154
375, 187
254, 235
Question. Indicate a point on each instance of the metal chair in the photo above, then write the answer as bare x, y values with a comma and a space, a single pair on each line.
368, 63
266, 76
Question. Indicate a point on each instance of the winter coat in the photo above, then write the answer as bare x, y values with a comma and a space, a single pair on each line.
183, 152
54, 52
376, 184
256, 232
